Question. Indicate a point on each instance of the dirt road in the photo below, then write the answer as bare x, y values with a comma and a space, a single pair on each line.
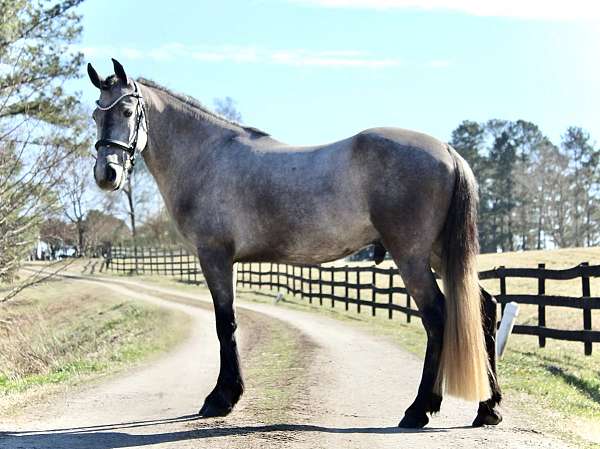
346, 389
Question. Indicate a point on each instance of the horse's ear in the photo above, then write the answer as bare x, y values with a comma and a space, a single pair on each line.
94, 77
120, 72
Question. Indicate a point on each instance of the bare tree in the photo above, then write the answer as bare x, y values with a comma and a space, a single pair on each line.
76, 191
227, 108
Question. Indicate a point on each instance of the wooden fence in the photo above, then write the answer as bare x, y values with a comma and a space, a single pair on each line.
373, 288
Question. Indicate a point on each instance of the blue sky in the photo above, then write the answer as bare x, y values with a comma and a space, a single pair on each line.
314, 71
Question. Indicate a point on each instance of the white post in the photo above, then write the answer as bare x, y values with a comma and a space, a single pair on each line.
511, 312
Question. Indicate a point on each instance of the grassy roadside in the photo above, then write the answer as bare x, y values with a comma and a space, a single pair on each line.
61, 333
275, 362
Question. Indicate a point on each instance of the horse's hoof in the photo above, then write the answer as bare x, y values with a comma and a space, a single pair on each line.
215, 404
487, 417
211, 410
414, 422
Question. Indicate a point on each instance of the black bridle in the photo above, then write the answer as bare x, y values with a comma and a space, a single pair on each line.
140, 112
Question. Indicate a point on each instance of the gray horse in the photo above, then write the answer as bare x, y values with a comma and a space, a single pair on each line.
236, 194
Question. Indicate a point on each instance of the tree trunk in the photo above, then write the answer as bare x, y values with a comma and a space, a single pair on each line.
129, 193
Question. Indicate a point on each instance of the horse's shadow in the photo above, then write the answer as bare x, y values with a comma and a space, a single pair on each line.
115, 436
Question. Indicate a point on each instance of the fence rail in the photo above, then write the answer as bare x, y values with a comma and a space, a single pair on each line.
373, 288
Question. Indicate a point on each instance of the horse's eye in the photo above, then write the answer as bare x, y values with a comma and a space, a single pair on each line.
127, 113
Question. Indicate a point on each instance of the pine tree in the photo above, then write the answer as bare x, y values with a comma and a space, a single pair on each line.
40, 123
577, 147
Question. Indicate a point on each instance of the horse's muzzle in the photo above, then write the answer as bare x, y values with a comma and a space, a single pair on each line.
109, 175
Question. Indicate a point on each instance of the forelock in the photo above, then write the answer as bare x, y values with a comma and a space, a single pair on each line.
110, 82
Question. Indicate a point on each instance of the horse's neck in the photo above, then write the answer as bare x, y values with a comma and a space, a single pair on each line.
179, 135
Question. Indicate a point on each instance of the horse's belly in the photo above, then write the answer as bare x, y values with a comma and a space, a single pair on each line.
313, 242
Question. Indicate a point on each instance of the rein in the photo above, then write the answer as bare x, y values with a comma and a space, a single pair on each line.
131, 146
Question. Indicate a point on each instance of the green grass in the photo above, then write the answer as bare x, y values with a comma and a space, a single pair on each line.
276, 361
64, 332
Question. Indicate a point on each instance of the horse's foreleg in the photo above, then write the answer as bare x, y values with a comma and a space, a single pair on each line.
217, 267
488, 412
422, 287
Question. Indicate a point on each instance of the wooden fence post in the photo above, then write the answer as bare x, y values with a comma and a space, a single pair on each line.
171, 256
331, 286
408, 306
310, 285
587, 312
165, 262
320, 285
189, 269
358, 291
502, 278
143, 261
541, 307
260, 277
373, 291
346, 285
181, 264
294, 280
390, 293
303, 293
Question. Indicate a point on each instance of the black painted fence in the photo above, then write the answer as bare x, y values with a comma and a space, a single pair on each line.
373, 288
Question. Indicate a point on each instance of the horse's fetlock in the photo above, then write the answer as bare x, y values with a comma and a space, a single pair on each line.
435, 403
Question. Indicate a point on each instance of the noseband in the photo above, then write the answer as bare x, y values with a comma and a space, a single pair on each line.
140, 112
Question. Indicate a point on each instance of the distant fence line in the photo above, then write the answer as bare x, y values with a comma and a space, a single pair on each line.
360, 286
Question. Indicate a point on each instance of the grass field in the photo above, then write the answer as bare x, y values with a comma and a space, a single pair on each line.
60, 333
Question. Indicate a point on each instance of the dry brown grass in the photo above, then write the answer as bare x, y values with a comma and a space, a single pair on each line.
64, 331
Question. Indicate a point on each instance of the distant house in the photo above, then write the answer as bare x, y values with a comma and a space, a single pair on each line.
45, 251
41, 251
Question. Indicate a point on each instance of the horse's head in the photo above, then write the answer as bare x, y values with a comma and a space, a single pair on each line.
120, 119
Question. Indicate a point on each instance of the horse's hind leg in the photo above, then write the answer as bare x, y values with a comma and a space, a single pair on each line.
421, 285
488, 412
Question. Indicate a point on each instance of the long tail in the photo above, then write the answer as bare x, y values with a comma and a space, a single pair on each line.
464, 364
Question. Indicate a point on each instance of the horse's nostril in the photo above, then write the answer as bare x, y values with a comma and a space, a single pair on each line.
111, 173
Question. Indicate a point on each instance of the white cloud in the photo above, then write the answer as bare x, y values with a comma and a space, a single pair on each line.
246, 55
525, 9
330, 59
